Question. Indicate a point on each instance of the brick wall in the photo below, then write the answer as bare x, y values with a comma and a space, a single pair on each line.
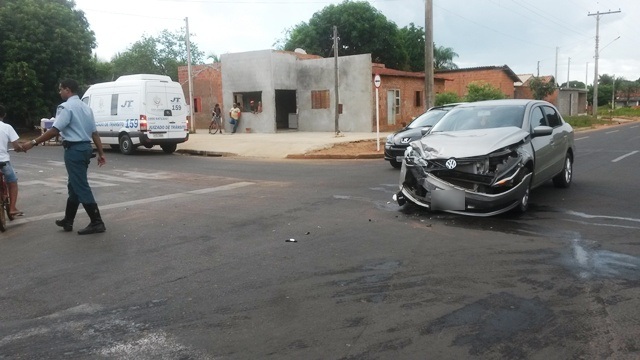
495, 77
409, 110
207, 91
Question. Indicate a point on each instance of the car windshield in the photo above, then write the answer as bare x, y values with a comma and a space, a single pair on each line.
429, 118
481, 117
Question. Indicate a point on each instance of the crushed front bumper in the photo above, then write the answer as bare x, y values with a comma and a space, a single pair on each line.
443, 196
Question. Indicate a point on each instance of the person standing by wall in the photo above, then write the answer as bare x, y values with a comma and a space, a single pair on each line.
75, 121
8, 136
235, 114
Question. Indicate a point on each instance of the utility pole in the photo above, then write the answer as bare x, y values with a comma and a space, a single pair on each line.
192, 120
556, 73
595, 76
586, 77
538, 74
335, 56
429, 91
613, 93
568, 72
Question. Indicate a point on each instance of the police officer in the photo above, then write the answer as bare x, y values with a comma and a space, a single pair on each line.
75, 121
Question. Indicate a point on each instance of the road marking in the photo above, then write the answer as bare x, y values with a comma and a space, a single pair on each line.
611, 132
624, 156
582, 138
143, 201
633, 127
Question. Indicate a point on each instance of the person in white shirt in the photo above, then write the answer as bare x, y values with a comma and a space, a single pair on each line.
9, 136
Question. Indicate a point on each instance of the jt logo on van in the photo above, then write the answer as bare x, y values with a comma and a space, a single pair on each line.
127, 104
175, 99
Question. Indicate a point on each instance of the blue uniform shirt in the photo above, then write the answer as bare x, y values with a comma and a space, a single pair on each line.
74, 120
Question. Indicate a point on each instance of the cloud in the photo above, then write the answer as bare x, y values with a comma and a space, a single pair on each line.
522, 34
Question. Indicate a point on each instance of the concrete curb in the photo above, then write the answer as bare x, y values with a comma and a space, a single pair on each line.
335, 156
290, 156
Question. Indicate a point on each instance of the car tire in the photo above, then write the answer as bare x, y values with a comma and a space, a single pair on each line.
169, 148
395, 164
563, 179
126, 145
523, 205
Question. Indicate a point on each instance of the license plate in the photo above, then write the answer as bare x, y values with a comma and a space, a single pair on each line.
157, 135
399, 158
447, 199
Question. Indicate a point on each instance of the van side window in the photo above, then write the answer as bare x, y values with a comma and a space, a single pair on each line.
86, 100
114, 104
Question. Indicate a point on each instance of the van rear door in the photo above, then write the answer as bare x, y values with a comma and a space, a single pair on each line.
166, 111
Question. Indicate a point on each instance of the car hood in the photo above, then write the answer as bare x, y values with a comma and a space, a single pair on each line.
468, 143
407, 133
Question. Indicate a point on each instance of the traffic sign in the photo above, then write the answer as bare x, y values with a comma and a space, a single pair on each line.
377, 81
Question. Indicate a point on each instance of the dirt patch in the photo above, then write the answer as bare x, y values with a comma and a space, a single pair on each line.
351, 148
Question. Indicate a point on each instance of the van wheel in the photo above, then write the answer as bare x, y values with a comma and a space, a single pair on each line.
169, 149
126, 145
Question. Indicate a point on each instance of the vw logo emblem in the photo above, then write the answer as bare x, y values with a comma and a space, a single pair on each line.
406, 140
451, 164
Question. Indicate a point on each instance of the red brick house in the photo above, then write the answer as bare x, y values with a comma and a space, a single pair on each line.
207, 90
500, 77
400, 96
523, 88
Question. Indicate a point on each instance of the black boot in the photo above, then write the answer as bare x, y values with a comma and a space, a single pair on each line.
96, 225
69, 215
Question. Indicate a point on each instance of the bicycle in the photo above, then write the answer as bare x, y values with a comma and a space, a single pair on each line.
5, 211
215, 125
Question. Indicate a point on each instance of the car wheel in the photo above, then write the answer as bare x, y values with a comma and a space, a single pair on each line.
395, 164
126, 145
169, 149
563, 180
523, 206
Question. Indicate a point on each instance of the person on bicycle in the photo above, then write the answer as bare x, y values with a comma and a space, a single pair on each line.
216, 119
9, 135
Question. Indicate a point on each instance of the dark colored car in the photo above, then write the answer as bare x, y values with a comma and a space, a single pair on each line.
483, 158
397, 142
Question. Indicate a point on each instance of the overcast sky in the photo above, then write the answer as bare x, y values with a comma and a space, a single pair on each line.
518, 33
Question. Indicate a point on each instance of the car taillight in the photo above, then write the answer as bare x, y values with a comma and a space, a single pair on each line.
143, 122
186, 126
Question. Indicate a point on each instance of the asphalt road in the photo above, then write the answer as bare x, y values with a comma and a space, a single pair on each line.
196, 263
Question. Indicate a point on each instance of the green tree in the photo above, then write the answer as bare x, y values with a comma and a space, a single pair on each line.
362, 29
477, 91
573, 84
161, 55
412, 38
540, 88
447, 98
443, 58
41, 42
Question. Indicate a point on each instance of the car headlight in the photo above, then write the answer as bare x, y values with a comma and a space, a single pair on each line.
389, 139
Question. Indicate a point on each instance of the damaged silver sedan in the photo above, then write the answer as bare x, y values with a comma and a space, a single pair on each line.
484, 158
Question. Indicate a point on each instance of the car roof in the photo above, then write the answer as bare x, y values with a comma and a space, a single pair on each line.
505, 102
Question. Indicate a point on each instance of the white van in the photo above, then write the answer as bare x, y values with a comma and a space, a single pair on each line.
139, 110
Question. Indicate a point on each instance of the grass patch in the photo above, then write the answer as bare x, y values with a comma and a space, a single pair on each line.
584, 121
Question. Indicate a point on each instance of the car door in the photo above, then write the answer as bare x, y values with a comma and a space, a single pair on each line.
559, 140
542, 147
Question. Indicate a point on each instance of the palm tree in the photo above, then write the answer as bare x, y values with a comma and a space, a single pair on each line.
443, 58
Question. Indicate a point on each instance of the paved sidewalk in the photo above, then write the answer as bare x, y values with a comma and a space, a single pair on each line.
278, 145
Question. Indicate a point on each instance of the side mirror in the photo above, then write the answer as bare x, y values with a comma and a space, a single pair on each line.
425, 130
542, 131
